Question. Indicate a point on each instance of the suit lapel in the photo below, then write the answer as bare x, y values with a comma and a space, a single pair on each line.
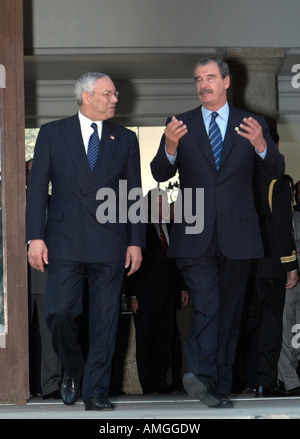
109, 140
75, 146
234, 121
76, 149
197, 129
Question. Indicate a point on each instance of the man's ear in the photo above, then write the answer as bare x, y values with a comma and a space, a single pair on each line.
227, 81
85, 97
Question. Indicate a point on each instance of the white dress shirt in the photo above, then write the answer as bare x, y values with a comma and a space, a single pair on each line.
87, 130
222, 120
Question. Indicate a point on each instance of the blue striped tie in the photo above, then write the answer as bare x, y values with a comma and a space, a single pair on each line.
93, 147
215, 138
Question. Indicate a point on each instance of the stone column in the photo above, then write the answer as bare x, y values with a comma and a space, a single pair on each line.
124, 376
254, 79
131, 384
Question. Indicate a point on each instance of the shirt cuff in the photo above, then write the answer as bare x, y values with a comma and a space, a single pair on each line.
171, 158
262, 154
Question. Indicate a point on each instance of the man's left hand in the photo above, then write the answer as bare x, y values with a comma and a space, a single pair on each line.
252, 130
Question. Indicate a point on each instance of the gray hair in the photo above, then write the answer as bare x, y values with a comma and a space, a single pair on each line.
222, 65
86, 83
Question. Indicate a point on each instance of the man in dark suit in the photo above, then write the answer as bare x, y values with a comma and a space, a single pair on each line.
84, 157
215, 261
155, 293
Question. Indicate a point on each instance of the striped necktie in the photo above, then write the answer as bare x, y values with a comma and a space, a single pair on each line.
93, 147
215, 138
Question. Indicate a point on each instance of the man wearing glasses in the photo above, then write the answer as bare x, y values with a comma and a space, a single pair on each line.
80, 155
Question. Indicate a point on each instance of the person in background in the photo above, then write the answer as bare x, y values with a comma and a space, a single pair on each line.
288, 364
50, 366
271, 279
154, 294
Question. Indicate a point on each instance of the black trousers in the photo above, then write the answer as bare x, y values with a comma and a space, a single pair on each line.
262, 331
64, 303
156, 332
217, 287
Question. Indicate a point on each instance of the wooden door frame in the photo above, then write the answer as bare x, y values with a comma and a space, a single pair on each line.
14, 376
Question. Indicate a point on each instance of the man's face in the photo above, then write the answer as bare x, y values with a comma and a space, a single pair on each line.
211, 87
100, 103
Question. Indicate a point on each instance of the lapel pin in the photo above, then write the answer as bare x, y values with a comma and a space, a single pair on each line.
112, 137
236, 128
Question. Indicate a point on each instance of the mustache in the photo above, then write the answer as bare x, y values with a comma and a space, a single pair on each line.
205, 90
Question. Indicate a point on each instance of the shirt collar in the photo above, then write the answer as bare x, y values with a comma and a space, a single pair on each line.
223, 112
86, 122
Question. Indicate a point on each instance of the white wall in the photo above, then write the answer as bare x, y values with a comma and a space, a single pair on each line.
290, 148
169, 23
139, 41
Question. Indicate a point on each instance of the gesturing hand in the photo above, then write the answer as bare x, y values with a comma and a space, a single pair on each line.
173, 133
252, 130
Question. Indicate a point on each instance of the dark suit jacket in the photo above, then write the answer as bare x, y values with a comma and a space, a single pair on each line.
273, 201
72, 231
228, 193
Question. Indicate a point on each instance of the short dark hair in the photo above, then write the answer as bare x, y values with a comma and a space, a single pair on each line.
222, 65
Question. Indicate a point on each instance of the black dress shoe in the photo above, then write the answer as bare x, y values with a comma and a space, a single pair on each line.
202, 388
225, 403
281, 392
293, 392
53, 395
99, 403
69, 390
263, 392
248, 390
177, 386
164, 389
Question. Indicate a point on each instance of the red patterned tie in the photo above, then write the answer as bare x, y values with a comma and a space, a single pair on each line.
163, 238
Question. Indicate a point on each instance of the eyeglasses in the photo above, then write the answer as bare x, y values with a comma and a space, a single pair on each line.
106, 94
